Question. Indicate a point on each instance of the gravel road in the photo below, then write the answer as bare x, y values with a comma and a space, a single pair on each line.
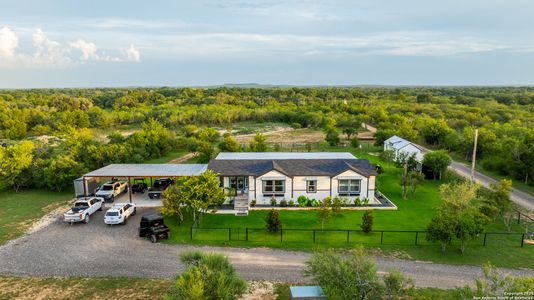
98, 250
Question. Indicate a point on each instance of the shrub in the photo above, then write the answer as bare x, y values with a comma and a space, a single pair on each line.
283, 203
291, 203
273, 202
367, 221
365, 201
354, 142
303, 201
357, 202
313, 203
396, 285
336, 205
379, 169
208, 276
296, 125
273, 222
253, 203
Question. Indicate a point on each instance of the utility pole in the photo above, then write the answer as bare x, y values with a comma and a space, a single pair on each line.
474, 157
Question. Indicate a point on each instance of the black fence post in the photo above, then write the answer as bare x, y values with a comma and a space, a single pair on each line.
314, 236
191, 232
381, 237
246, 234
522, 240
348, 232
518, 217
416, 235
484, 244
229, 234
281, 234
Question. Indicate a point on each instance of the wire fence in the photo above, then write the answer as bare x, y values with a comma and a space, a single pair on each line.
342, 236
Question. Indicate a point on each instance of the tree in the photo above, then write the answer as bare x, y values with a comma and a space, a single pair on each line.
354, 143
14, 161
409, 182
200, 192
423, 98
435, 131
324, 212
205, 152
349, 131
353, 276
332, 136
441, 229
367, 221
495, 284
501, 200
272, 221
258, 143
207, 276
173, 203
336, 206
437, 161
468, 226
60, 171
229, 144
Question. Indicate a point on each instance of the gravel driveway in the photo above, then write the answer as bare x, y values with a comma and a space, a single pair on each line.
98, 250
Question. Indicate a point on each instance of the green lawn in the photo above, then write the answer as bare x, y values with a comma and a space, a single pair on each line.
19, 210
413, 214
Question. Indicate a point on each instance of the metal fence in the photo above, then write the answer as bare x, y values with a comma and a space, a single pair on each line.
336, 236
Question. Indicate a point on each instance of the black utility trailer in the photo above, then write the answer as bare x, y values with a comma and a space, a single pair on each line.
139, 186
152, 226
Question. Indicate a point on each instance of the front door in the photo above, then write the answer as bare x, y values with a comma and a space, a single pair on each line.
239, 183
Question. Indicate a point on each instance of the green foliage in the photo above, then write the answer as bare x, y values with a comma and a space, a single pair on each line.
198, 193
324, 212
15, 162
253, 203
258, 144
367, 221
497, 284
409, 182
205, 152
208, 276
437, 162
303, 201
283, 203
354, 276
272, 221
336, 205
331, 135
273, 202
173, 203
354, 143
229, 144
59, 172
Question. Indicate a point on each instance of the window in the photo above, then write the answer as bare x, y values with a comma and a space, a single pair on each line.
274, 186
349, 187
311, 186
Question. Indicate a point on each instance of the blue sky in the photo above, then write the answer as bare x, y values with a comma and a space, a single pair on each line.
183, 43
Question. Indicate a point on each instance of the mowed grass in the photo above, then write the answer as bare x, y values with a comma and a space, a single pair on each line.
412, 215
82, 288
19, 210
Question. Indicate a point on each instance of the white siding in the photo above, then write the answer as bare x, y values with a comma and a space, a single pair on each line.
258, 194
323, 187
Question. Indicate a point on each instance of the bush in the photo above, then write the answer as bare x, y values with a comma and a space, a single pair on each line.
365, 201
291, 203
387, 155
379, 169
296, 125
357, 202
303, 201
253, 203
208, 276
396, 285
354, 142
367, 221
273, 202
313, 203
273, 222
283, 203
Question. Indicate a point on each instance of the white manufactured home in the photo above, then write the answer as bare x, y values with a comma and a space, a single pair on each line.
267, 175
401, 146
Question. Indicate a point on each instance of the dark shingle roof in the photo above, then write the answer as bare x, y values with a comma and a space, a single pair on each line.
291, 167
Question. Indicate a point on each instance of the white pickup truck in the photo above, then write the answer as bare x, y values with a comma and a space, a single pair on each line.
118, 213
82, 209
111, 189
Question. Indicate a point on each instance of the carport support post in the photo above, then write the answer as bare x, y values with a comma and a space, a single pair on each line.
84, 187
129, 189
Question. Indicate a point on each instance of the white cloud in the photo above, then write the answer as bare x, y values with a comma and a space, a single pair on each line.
9, 41
50, 53
88, 49
132, 54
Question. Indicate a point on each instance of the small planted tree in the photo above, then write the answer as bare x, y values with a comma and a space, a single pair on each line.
367, 221
272, 221
441, 229
336, 206
437, 161
324, 212
173, 203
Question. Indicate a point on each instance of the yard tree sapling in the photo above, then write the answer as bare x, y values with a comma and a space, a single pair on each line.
173, 203
367, 221
336, 205
324, 212
272, 221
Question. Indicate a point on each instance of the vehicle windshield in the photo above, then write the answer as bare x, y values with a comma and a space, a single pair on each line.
112, 214
80, 204
107, 187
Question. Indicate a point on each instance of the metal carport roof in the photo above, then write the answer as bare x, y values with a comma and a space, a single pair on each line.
148, 170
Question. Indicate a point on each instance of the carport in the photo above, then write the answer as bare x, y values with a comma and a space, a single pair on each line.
144, 171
